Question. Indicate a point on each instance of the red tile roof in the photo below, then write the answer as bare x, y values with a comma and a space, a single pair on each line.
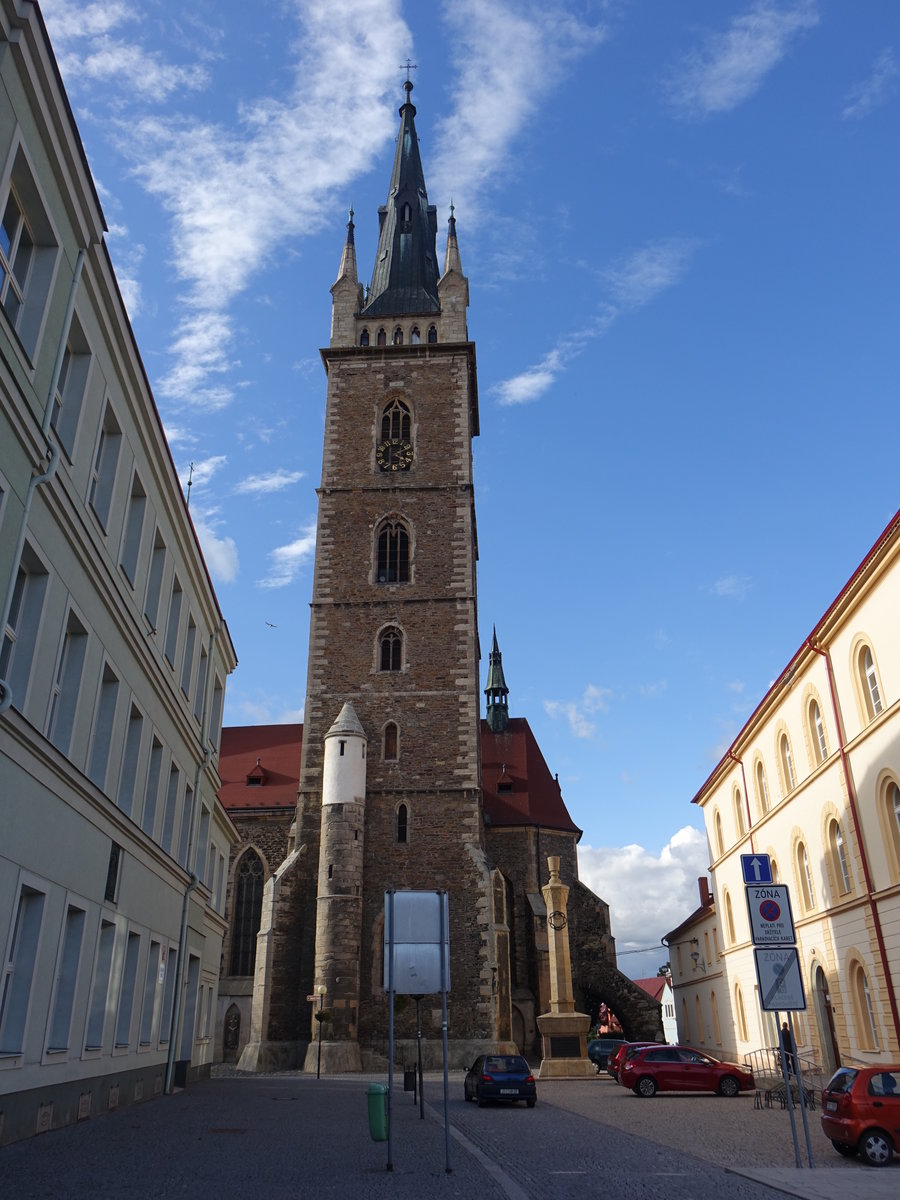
516, 781
525, 793
278, 749
653, 987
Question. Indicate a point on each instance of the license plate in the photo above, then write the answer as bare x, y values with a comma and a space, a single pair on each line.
509, 1091
831, 1105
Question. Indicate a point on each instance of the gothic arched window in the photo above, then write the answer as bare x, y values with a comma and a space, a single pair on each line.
398, 336
248, 889
391, 742
432, 333
402, 824
396, 422
390, 649
382, 338
393, 553
415, 337
364, 338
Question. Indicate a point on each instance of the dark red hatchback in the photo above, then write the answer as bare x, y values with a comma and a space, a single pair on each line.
861, 1112
650, 1069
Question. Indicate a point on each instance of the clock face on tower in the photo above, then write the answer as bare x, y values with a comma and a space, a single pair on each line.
394, 454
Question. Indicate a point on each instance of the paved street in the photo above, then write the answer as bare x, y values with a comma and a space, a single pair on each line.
291, 1135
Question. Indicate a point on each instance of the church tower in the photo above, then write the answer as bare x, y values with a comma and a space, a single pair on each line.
394, 638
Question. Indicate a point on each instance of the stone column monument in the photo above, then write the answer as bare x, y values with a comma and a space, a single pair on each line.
563, 1030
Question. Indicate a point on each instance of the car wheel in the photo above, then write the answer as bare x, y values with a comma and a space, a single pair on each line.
876, 1148
481, 1102
468, 1097
729, 1086
845, 1150
645, 1087
531, 1103
596, 1068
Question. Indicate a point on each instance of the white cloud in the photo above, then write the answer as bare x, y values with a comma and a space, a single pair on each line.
201, 472
579, 712
731, 66
127, 257
287, 560
220, 552
648, 894
262, 485
875, 89
731, 585
632, 282
515, 53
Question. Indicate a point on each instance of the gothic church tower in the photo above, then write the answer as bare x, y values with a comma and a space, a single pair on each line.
394, 636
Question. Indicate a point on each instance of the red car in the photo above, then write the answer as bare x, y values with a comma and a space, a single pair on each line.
655, 1069
861, 1112
614, 1064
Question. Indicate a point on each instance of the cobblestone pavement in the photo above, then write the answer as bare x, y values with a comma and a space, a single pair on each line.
290, 1134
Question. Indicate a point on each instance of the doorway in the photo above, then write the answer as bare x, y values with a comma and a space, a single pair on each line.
831, 1055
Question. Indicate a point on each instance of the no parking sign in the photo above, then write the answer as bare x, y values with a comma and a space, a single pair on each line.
771, 919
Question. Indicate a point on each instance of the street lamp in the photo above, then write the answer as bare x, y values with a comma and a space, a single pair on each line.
320, 992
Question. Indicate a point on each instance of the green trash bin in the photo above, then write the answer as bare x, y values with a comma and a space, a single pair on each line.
377, 1094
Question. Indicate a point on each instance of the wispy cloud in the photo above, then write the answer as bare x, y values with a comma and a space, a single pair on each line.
631, 283
220, 552
286, 561
89, 45
731, 585
199, 473
263, 485
652, 691
516, 52
874, 90
730, 66
579, 712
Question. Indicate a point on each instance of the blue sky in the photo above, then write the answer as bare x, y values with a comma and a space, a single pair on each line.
679, 224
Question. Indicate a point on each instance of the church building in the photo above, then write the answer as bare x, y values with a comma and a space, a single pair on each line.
394, 780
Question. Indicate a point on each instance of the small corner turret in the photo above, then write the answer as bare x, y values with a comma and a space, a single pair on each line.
496, 691
346, 294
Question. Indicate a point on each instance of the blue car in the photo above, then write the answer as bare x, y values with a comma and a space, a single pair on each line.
500, 1077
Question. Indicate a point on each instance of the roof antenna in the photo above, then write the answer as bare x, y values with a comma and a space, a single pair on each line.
190, 484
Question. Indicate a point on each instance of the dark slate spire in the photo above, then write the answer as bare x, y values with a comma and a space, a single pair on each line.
406, 274
496, 690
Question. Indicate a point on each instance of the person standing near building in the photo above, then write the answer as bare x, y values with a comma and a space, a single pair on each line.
787, 1043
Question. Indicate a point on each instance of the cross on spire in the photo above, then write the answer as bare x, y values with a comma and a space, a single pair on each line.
409, 66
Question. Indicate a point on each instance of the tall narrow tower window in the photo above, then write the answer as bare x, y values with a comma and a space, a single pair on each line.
393, 553
391, 649
390, 742
396, 421
248, 890
402, 824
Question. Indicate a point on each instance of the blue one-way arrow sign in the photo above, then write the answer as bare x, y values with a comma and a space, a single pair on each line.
756, 868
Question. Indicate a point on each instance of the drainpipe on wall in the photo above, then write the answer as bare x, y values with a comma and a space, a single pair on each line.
854, 812
202, 763
52, 463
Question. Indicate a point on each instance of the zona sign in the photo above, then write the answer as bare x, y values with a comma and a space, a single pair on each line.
769, 908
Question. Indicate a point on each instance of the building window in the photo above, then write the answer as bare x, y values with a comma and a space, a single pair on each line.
106, 460
200, 694
396, 422
890, 823
64, 698
168, 1001
18, 970
126, 993
717, 1032
805, 874
776, 874
249, 877
215, 714
130, 757
28, 249
171, 808
699, 1011
134, 528
103, 957
70, 389
762, 788
390, 645
839, 857
364, 338
729, 920
187, 665
151, 793
104, 719
738, 802
402, 824
393, 553
415, 337
787, 763
113, 865
154, 580
391, 741
66, 977
187, 816
20, 635
398, 336
863, 1010
173, 621
817, 734
740, 1013
148, 1005
432, 334
720, 840
381, 338
869, 681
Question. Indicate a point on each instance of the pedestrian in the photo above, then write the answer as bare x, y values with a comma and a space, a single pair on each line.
788, 1044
